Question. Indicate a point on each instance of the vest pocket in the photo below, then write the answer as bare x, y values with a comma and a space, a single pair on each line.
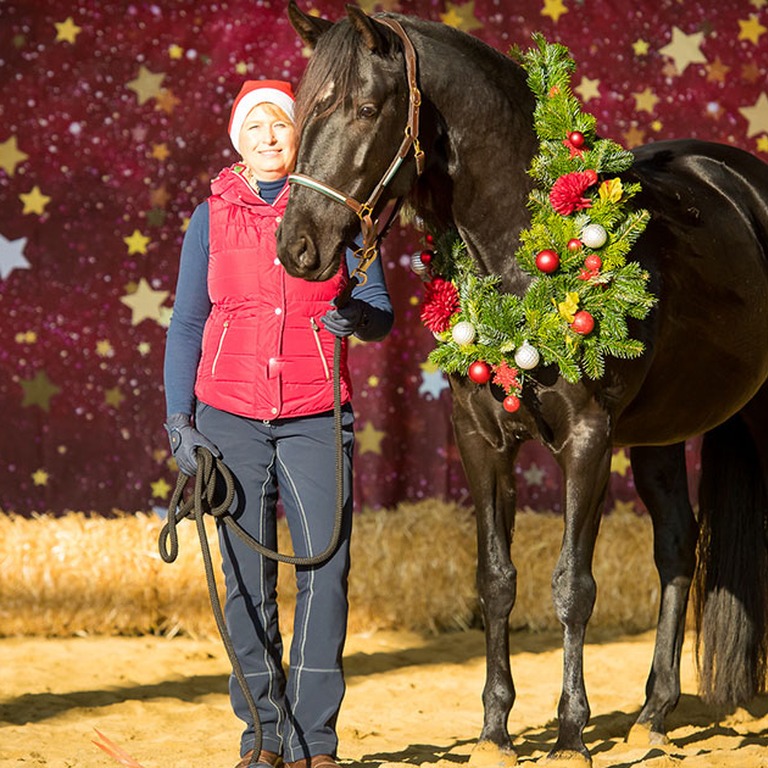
218, 349
316, 334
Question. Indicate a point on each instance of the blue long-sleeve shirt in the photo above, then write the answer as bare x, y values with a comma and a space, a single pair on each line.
193, 305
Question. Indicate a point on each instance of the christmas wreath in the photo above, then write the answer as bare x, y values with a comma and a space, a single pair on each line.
583, 225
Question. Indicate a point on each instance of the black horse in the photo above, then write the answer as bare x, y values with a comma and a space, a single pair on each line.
704, 370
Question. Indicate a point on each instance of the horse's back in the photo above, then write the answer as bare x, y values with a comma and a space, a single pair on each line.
706, 248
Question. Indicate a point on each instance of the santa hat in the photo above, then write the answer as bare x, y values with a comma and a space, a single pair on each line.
254, 92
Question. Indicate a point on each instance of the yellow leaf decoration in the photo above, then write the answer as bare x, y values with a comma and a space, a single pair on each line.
569, 307
611, 190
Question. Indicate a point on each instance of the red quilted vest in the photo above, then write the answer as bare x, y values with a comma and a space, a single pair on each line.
265, 354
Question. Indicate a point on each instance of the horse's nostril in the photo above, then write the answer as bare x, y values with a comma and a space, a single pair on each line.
306, 254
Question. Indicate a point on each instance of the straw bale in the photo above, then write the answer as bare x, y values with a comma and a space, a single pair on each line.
413, 568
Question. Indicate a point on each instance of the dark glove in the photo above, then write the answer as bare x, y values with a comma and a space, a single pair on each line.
346, 320
185, 440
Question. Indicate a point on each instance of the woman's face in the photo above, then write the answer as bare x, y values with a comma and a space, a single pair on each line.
268, 143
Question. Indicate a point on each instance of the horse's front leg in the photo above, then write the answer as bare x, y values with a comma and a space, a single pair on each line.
488, 459
585, 458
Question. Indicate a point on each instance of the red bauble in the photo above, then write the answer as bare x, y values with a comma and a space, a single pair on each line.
426, 256
479, 372
593, 262
574, 244
429, 239
511, 403
591, 175
547, 261
583, 323
576, 138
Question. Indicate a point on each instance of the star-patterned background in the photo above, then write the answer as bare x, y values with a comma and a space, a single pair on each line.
112, 122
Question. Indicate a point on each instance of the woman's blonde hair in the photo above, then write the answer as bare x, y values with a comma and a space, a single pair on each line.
275, 111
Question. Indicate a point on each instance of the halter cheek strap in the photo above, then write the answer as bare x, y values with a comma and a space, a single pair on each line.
364, 211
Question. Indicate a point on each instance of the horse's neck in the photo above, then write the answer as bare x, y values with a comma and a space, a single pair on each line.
487, 109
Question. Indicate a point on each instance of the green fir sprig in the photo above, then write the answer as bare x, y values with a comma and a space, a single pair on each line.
544, 316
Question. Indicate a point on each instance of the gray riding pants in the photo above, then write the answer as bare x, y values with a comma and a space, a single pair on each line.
294, 459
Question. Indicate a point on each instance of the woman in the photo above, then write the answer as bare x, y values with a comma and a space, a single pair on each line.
249, 353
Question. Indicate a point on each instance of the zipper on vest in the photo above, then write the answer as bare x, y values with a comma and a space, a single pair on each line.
316, 332
218, 350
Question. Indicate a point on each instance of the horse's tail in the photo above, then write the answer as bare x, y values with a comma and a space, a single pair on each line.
730, 593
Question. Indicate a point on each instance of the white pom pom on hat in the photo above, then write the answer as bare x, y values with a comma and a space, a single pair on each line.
253, 92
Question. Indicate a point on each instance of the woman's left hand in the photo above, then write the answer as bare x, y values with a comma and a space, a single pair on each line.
346, 320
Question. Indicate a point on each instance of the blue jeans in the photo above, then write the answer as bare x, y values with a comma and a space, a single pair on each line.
295, 459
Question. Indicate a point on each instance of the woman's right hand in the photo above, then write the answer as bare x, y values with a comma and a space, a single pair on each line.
185, 440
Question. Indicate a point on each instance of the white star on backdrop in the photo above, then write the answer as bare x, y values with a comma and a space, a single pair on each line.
12, 256
433, 383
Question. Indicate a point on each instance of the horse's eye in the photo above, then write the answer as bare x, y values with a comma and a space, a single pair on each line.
366, 112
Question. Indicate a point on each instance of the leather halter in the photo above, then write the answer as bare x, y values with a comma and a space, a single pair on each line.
364, 211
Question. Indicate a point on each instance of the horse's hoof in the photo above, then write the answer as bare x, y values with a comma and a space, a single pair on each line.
486, 754
566, 758
641, 735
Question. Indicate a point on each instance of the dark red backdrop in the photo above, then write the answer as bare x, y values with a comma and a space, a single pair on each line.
112, 121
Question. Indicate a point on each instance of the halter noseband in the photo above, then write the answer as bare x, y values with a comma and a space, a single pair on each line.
364, 211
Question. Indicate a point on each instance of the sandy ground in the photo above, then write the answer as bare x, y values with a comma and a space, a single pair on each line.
410, 699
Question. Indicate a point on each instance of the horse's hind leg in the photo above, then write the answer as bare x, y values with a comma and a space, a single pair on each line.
661, 481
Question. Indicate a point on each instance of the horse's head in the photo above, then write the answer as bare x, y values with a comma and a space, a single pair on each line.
353, 105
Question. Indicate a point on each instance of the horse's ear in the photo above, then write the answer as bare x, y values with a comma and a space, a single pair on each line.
374, 35
309, 28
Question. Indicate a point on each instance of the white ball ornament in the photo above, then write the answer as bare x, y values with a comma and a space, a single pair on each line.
593, 236
463, 333
526, 356
417, 265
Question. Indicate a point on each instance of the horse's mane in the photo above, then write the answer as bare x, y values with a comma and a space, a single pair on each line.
336, 60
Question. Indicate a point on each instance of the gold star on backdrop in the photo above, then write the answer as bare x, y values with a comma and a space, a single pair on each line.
167, 101
554, 9
369, 439
34, 201
646, 100
160, 489
175, 51
634, 137
762, 144
684, 49
750, 72
66, 31
147, 85
620, 462
370, 5
159, 197
104, 348
160, 151
373, 381
588, 89
137, 243
40, 477
461, 16
757, 115
114, 397
11, 156
640, 47
758, 3
751, 29
39, 391
716, 71
145, 302
143, 348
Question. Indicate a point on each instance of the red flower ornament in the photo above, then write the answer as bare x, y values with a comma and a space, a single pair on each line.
567, 193
441, 302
